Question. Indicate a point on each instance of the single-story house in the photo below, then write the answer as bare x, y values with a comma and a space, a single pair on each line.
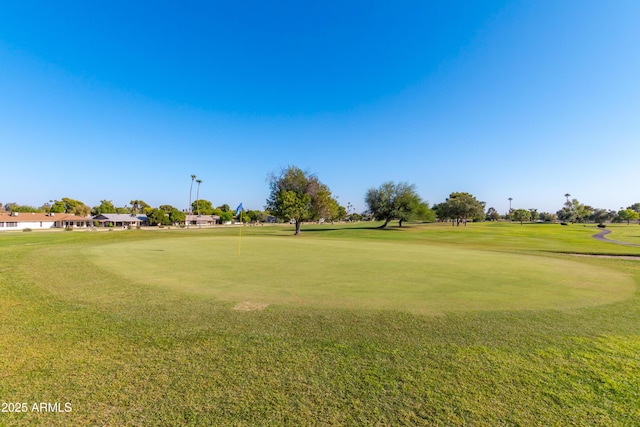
38, 221
203, 219
120, 220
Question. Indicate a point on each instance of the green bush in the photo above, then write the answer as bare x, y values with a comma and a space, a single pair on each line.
68, 229
26, 230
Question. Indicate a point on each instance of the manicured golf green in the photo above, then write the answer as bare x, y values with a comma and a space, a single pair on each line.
424, 279
489, 324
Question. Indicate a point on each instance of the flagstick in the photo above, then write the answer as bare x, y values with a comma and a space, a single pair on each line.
240, 236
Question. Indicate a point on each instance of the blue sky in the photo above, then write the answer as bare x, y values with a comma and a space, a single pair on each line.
125, 100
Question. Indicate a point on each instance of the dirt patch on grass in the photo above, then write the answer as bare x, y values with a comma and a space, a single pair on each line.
249, 306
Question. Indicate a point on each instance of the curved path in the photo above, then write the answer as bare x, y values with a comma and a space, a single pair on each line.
600, 236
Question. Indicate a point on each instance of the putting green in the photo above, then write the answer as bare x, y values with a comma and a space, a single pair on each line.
426, 279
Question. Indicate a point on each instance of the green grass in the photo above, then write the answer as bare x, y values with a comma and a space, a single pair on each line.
492, 324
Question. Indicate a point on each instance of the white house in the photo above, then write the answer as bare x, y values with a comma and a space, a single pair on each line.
203, 219
120, 220
38, 221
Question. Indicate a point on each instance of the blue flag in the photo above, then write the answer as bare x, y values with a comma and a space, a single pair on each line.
239, 209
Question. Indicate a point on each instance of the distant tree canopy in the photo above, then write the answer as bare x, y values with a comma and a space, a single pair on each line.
391, 201
636, 208
158, 217
254, 215
177, 217
70, 206
574, 211
14, 207
299, 196
204, 207
547, 216
226, 216
600, 215
492, 214
521, 215
138, 206
628, 215
105, 206
460, 207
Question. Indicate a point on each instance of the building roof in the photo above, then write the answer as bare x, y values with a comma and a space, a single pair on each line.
202, 217
120, 217
36, 217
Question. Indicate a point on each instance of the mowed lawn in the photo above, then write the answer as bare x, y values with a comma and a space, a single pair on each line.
489, 324
339, 273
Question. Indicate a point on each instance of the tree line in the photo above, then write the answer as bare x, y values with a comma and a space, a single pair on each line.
298, 196
161, 215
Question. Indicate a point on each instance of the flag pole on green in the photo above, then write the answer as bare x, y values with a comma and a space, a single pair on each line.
239, 212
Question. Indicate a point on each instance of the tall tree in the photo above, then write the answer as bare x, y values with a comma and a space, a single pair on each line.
205, 207
158, 217
628, 215
569, 212
460, 207
297, 195
177, 217
193, 178
521, 215
138, 206
199, 181
492, 214
574, 211
636, 208
600, 215
68, 205
106, 206
393, 201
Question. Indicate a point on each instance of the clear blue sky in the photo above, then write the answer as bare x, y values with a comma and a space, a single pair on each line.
125, 100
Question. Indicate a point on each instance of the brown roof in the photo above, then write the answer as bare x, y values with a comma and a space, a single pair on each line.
34, 217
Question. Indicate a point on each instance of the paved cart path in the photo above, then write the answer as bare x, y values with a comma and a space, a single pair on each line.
600, 236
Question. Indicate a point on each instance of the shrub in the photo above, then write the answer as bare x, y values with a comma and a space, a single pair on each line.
602, 225
26, 230
563, 223
68, 229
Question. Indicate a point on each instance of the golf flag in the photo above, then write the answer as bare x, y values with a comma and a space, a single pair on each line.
239, 212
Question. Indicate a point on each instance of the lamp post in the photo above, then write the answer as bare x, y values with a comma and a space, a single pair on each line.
199, 181
193, 177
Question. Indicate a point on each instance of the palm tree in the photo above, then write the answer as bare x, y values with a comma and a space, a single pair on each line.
193, 177
510, 210
567, 196
199, 181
